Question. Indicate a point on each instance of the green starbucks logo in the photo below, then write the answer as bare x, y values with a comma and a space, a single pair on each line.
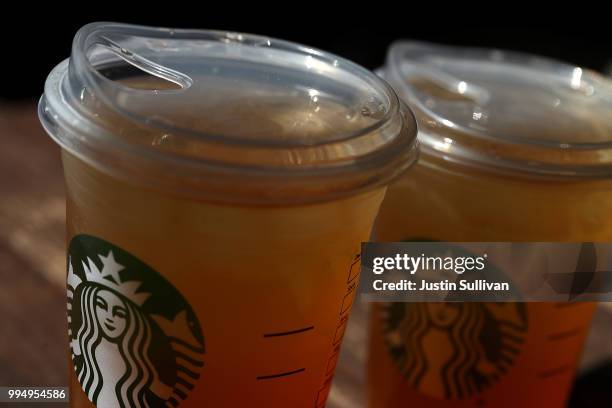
135, 341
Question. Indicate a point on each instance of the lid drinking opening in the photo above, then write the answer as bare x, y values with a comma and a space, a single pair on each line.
118, 64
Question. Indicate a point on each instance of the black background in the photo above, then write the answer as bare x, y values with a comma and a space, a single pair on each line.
34, 41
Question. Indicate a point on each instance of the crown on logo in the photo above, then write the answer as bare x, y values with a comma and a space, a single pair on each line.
178, 328
109, 277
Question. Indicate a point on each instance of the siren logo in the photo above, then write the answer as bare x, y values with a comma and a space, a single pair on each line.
453, 350
134, 339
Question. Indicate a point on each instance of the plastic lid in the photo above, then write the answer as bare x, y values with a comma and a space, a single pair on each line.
227, 116
506, 110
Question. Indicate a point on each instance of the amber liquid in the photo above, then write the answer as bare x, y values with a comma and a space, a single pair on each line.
272, 286
492, 355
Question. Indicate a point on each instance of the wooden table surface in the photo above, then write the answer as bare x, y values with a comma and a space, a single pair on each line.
32, 262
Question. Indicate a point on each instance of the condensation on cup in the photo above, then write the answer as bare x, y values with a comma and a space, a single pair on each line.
515, 148
218, 188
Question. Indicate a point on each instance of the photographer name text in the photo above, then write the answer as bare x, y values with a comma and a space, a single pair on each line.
445, 285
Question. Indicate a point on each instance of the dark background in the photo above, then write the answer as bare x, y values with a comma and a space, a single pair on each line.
31, 47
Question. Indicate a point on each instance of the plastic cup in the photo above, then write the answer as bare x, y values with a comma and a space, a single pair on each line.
218, 188
515, 148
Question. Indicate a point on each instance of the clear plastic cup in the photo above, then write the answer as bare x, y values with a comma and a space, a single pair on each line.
218, 188
514, 148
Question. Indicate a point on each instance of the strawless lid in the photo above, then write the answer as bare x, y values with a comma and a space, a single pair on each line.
230, 117
505, 110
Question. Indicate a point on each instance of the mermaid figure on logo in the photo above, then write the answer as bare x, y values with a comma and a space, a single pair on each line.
112, 341
453, 350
